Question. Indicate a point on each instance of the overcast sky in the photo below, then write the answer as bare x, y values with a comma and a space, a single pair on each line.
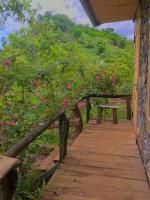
74, 10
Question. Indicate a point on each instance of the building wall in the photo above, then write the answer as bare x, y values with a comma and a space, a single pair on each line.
142, 129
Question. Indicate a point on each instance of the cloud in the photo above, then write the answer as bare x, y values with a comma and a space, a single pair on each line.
125, 28
71, 8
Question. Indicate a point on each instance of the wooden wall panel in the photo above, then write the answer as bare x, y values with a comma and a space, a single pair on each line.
148, 89
136, 67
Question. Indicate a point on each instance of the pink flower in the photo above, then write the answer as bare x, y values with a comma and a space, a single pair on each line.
113, 81
81, 105
7, 63
97, 78
33, 82
37, 91
9, 123
69, 86
43, 85
66, 101
34, 107
40, 98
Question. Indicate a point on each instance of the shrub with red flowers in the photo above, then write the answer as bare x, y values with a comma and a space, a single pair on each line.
69, 86
7, 63
81, 105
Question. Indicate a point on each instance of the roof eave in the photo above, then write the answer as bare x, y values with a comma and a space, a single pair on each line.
88, 8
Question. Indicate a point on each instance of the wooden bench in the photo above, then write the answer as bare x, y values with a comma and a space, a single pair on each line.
114, 111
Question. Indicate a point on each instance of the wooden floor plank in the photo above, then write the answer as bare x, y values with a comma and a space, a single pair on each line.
86, 170
102, 164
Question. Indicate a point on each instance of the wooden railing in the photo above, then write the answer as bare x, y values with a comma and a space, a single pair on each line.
8, 163
125, 97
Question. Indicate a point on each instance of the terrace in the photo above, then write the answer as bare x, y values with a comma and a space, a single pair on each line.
106, 161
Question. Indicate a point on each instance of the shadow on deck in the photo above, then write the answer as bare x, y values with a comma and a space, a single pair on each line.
102, 164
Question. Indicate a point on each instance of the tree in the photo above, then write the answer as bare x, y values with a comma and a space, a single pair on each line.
61, 21
19, 9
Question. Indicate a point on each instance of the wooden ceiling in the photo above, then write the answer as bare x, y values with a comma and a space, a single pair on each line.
103, 11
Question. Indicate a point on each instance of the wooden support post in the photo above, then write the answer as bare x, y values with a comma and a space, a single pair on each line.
115, 118
63, 136
78, 115
99, 117
8, 185
8, 177
88, 109
128, 108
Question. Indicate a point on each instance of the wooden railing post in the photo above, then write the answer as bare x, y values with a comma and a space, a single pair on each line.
63, 136
128, 99
8, 185
88, 109
8, 177
78, 115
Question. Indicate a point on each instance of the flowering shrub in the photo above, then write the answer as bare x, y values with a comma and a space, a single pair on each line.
66, 101
7, 63
69, 86
81, 105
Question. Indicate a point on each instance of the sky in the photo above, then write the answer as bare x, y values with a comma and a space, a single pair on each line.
74, 10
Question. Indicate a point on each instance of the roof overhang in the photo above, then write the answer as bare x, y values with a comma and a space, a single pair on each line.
104, 11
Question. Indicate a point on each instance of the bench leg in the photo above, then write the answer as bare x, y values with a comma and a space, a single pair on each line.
115, 117
99, 117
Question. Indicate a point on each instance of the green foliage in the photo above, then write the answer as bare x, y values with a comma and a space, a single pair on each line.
20, 9
28, 186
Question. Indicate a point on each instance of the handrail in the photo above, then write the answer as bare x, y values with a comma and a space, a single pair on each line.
122, 96
106, 96
64, 125
10, 179
20, 145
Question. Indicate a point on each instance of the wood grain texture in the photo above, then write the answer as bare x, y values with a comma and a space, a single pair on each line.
6, 165
102, 164
113, 10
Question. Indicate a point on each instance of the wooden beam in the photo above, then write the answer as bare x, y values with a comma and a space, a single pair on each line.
102, 11
88, 8
24, 142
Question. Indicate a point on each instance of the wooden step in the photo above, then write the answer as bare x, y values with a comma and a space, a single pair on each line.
48, 161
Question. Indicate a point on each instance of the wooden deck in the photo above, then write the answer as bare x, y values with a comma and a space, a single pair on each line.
102, 164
